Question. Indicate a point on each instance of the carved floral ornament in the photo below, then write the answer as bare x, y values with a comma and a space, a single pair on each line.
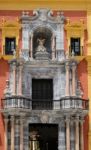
10, 28
75, 29
10, 22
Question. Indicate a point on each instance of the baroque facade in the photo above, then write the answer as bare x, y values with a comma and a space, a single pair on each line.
44, 102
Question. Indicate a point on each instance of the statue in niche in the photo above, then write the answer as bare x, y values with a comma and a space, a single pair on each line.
41, 47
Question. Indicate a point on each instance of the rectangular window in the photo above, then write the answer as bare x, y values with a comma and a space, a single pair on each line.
10, 45
75, 46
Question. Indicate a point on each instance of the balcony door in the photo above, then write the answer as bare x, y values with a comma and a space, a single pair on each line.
42, 93
42, 89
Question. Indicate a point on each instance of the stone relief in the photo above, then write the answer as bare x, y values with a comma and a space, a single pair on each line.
47, 15
44, 118
59, 17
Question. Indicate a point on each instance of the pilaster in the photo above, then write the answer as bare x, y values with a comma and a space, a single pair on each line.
89, 96
61, 135
53, 46
21, 133
14, 78
60, 36
25, 31
81, 134
6, 133
89, 31
20, 79
77, 133
67, 68
12, 132
72, 134
17, 133
74, 79
67, 133
31, 46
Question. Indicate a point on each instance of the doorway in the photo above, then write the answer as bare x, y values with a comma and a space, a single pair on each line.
45, 136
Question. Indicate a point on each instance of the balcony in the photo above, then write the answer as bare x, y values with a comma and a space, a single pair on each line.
74, 103
16, 102
26, 104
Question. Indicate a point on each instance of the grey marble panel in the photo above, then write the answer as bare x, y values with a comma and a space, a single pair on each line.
27, 84
72, 136
26, 137
61, 137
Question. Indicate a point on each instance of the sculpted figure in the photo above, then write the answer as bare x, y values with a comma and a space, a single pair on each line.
41, 46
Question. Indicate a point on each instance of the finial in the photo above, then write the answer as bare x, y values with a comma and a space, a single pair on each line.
67, 54
72, 54
79, 89
7, 91
14, 53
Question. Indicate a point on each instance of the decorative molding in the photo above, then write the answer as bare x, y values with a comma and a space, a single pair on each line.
56, 5
75, 30
10, 28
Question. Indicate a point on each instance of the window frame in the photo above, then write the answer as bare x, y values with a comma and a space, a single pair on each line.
6, 49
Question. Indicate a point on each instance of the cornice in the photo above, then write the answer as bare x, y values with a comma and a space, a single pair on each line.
52, 4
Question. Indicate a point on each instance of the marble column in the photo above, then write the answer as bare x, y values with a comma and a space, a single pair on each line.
14, 78
67, 67
73, 79
12, 132
21, 134
17, 134
67, 133
77, 133
60, 42
53, 47
81, 135
26, 134
31, 46
61, 135
72, 135
6, 133
20, 80
60, 37
25, 34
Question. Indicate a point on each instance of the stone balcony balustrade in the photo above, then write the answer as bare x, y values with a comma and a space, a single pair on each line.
65, 104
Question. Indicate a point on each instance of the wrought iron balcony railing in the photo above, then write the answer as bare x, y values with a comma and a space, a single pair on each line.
62, 104
42, 104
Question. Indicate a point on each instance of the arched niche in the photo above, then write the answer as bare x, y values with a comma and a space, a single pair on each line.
42, 33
